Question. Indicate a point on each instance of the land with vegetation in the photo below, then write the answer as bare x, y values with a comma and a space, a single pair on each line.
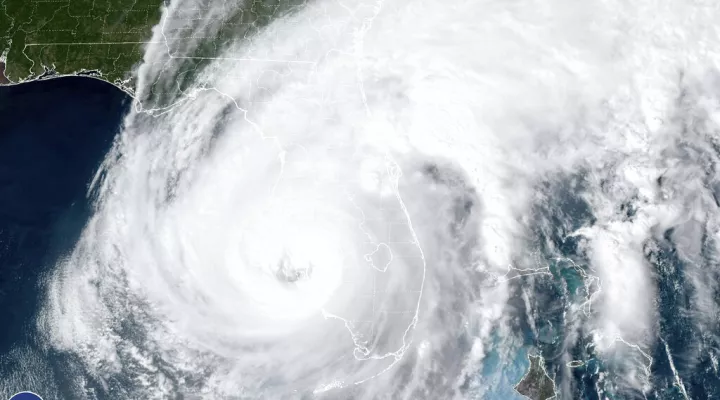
536, 384
104, 38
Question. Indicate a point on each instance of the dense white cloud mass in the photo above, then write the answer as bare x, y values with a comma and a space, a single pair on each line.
337, 204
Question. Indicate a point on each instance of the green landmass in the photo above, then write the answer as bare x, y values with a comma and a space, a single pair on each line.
536, 384
106, 38
235, 22
75, 36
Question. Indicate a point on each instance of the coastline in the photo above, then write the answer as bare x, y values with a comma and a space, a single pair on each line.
3, 79
97, 75
534, 385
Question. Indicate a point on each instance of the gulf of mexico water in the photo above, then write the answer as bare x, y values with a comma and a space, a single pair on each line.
55, 133
53, 136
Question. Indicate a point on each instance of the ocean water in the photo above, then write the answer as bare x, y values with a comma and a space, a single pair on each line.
549, 192
53, 136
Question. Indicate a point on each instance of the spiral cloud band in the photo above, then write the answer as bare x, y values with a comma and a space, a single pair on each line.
348, 200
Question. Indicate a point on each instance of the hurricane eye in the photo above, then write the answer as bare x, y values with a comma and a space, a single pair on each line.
288, 272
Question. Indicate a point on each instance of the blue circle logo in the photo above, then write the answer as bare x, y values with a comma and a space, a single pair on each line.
25, 396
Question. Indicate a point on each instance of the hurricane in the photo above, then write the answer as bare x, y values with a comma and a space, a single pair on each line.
402, 200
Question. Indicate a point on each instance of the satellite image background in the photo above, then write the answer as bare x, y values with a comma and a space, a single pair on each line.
359, 199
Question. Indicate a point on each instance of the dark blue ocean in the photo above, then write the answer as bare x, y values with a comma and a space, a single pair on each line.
53, 136
55, 133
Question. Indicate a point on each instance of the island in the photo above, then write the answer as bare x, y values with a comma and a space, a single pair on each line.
536, 384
